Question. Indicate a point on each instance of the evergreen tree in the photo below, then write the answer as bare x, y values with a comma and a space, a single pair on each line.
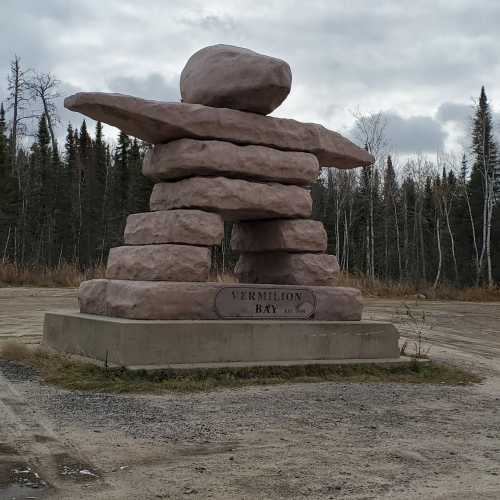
8, 195
362, 260
139, 185
87, 210
107, 206
428, 232
4, 147
482, 183
38, 223
65, 217
96, 186
119, 189
464, 169
330, 219
411, 262
391, 254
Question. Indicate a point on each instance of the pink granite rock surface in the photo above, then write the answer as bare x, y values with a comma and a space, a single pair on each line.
234, 199
156, 300
92, 296
188, 157
190, 227
224, 76
158, 122
159, 262
295, 235
287, 268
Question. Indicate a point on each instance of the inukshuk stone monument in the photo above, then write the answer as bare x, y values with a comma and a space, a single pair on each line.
216, 156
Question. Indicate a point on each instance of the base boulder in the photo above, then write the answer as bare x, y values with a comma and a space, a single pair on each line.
287, 268
159, 262
196, 301
300, 235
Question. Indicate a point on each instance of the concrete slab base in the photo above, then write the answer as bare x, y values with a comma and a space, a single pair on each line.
177, 343
381, 362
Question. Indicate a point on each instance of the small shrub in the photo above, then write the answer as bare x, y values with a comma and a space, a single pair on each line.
419, 323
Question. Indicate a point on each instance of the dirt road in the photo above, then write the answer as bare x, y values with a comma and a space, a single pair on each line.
359, 441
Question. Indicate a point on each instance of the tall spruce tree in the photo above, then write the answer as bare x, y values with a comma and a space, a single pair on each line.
482, 184
119, 189
87, 186
9, 194
108, 205
96, 189
38, 224
73, 177
392, 251
65, 225
139, 185
330, 219
465, 231
428, 231
4, 146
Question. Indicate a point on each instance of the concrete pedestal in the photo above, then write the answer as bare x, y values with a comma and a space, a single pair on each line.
184, 343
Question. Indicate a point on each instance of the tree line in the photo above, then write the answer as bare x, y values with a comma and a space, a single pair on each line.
425, 221
421, 220
61, 204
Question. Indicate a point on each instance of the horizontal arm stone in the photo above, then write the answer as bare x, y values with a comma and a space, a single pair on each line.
159, 122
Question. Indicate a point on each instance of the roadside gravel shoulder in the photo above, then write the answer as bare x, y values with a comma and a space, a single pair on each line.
287, 441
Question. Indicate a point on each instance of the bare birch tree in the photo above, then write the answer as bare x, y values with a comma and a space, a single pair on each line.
17, 102
43, 88
370, 131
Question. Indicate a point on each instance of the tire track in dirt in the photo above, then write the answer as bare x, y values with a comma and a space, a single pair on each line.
34, 461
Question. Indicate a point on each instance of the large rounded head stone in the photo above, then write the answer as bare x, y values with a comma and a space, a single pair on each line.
224, 76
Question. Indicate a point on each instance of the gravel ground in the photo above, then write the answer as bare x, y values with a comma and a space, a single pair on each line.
322, 440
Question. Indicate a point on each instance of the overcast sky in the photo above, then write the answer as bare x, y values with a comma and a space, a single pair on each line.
420, 62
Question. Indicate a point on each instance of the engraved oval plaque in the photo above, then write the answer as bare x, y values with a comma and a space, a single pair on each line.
264, 303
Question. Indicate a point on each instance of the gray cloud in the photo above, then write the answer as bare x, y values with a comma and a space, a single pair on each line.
416, 134
217, 24
408, 135
153, 86
420, 59
454, 112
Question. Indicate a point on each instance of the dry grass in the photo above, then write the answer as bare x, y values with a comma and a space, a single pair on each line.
16, 351
65, 275
68, 374
224, 278
403, 289
70, 275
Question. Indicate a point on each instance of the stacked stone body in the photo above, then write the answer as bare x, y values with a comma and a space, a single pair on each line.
216, 157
